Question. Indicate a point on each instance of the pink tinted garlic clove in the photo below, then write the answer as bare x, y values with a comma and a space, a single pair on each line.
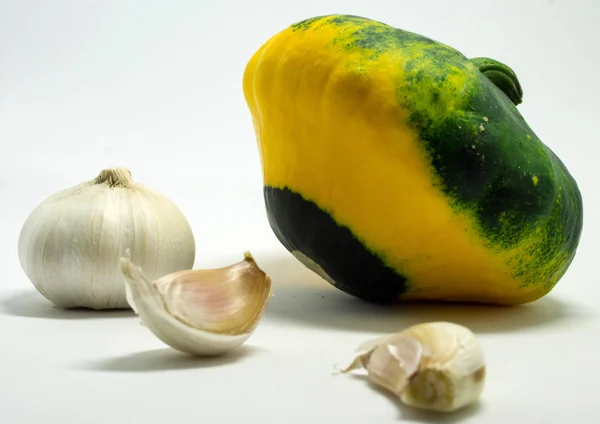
202, 311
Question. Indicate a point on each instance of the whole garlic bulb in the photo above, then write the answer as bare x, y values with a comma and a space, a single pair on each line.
70, 245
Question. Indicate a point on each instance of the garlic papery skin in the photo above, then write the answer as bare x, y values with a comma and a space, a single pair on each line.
70, 244
201, 312
437, 366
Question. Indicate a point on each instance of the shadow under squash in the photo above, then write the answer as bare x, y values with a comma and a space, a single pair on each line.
303, 297
166, 359
31, 304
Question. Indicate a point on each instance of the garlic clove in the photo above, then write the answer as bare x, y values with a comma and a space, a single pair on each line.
452, 375
201, 312
437, 366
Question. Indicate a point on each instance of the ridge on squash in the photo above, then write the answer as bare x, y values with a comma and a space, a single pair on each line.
398, 169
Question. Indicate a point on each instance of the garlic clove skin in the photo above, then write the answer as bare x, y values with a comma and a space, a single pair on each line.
201, 312
390, 362
69, 244
438, 366
391, 365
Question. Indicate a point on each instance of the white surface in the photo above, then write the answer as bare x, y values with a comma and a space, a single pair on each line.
156, 86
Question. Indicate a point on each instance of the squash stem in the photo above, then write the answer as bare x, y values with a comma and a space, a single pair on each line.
501, 76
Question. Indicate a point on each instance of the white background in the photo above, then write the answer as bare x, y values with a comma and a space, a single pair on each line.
156, 86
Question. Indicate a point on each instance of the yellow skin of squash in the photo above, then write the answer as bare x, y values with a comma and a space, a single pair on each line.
309, 103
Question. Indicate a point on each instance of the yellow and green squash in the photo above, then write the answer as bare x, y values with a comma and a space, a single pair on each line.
398, 169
